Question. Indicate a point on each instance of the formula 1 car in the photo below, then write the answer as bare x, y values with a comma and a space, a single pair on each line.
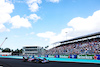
45, 61
34, 59
38, 60
25, 58
31, 59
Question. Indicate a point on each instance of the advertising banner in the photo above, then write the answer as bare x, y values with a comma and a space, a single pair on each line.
42, 56
52, 56
85, 56
56, 56
46, 56
63, 56
72, 56
39, 55
36, 55
96, 57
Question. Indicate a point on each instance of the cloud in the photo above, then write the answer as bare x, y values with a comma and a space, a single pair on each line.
4, 18
3, 28
47, 34
86, 25
5, 9
33, 17
34, 1
76, 27
56, 37
33, 5
18, 22
53, 1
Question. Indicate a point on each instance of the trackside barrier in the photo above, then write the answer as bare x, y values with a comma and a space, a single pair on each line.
42, 56
46, 56
39, 55
63, 56
51, 56
72, 56
56, 56
91, 57
85, 56
95, 57
35, 55
3, 55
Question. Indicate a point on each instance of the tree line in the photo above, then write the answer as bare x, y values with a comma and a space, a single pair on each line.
14, 52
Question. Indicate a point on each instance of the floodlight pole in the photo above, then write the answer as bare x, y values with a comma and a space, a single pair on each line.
3, 42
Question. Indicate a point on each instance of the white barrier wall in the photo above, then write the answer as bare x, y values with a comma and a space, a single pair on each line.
5, 53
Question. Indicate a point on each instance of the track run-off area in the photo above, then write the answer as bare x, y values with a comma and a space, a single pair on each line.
20, 63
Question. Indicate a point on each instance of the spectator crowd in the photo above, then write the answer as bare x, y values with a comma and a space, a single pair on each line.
88, 47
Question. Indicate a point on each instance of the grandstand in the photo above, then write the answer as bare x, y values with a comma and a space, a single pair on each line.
32, 50
84, 45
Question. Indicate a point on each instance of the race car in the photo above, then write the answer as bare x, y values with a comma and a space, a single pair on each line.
27, 57
38, 60
34, 59
44, 60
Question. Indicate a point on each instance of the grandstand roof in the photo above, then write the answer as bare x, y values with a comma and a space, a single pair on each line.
81, 38
31, 46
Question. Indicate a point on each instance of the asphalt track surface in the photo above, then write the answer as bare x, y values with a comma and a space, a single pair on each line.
19, 63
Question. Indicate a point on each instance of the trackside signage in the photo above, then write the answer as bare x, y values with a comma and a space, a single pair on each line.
63, 56
36, 55
52, 56
46, 56
42, 55
84, 57
95, 57
56, 56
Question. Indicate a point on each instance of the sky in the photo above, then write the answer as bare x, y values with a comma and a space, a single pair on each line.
44, 22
